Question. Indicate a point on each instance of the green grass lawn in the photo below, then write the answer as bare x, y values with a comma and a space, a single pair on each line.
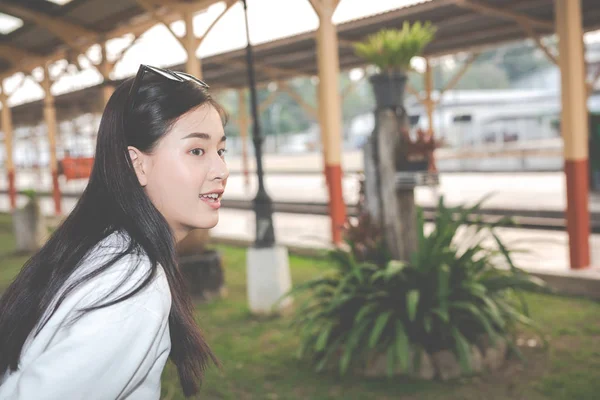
258, 355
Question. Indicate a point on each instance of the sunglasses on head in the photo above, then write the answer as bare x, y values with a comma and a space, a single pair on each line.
165, 73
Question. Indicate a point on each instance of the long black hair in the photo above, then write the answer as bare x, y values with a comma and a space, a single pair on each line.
114, 201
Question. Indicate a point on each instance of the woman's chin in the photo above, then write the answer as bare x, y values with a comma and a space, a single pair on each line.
206, 223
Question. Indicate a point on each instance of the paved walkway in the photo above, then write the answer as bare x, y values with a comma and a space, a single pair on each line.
548, 250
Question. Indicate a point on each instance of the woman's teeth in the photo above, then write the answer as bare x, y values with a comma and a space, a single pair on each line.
212, 196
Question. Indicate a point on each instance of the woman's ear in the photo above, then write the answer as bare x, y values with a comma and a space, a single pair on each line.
138, 159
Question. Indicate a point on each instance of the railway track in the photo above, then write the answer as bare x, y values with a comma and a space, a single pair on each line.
526, 219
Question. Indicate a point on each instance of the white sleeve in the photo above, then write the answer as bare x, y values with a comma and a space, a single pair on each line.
101, 356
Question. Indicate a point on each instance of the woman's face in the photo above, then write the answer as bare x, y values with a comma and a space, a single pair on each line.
185, 175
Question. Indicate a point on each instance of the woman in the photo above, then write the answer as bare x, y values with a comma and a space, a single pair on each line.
98, 310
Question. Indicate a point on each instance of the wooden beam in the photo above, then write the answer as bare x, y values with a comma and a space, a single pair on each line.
122, 52
228, 5
72, 34
15, 55
317, 6
268, 101
309, 109
458, 75
487, 9
592, 82
197, 5
274, 72
141, 26
532, 34
148, 5
410, 88
349, 87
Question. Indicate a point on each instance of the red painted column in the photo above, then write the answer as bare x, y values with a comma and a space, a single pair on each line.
574, 129
330, 113
578, 217
12, 190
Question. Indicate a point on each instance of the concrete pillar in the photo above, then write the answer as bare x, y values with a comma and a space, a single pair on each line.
192, 65
50, 119
7, 128
574, 128
331, 113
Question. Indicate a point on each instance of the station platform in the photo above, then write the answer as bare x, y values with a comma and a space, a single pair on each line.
299, 179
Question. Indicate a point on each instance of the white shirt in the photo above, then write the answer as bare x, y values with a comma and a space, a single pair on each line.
117, 352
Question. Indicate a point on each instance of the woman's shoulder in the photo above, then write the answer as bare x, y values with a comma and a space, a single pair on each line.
112, 270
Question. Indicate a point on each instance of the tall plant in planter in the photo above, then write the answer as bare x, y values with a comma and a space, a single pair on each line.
391, 200
391, 51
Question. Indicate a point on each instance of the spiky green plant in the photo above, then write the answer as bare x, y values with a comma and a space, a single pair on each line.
452, 291
393, 49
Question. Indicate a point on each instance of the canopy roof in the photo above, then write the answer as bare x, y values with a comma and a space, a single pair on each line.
463, 25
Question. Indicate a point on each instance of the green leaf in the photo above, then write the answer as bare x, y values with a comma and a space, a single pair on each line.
391, 362
492, 310
393, 49
402, 346
475, 289
427, 323
323, 336
380, 324
442, 314
364, 311
463, 349
506, 253
412, 303
354, 338
420, 228
331, 350
394, 268
443, 286
480, 317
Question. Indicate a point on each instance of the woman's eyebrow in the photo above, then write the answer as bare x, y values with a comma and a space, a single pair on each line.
198, 135
201, 135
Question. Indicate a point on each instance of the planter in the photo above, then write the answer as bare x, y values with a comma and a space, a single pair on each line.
388, 89
442, 365
204, 274
29, 227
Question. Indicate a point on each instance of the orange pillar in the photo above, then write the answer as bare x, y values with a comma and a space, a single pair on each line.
574, 127
50, 119
192, 65
331, 112
429, 103
321, 118
105, 69
7, 128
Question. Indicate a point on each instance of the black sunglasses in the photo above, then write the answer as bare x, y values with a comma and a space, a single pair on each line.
165, 73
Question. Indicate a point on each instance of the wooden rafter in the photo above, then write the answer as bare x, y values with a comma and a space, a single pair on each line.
15, 55
532, 34
137, 29
504, 13
228, 5
459, 74
74, 35
309, 109
158, 15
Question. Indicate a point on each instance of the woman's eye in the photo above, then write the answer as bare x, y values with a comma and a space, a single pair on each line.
222, 152
197, 152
